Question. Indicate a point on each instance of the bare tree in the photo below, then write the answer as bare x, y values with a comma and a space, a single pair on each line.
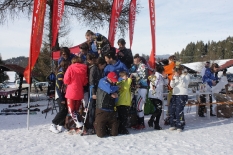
94, 14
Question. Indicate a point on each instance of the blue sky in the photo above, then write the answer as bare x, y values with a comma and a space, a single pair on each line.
178, 22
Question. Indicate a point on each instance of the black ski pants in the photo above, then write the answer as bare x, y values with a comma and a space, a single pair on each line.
59, 119
123, 112
158, 110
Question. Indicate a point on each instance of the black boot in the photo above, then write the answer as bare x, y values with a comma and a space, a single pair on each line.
156, 122
141, 121
123, 131
157, 127
141, 124
201, 111
150, 123
212, 114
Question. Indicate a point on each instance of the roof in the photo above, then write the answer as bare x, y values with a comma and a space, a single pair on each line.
190, 71
16, 68
12, 67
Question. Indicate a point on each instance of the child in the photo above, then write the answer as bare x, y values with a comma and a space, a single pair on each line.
75, 78
156, 95
124, 102
105, 116
58, 122
141, 71
95, 74
179, 83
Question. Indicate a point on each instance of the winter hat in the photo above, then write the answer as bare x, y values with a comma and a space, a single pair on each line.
112, 76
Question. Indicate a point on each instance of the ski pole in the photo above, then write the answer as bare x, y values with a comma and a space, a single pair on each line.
87, 109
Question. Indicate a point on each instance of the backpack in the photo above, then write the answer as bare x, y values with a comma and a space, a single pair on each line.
51, 77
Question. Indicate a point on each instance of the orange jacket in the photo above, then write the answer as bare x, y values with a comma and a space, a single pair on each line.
169, 71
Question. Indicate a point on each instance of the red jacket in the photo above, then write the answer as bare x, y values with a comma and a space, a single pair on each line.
75, 78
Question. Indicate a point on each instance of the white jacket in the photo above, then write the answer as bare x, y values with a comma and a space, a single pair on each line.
180, 84
159, 84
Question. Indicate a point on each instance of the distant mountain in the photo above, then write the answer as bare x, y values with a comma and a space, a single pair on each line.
165, 56
21, 61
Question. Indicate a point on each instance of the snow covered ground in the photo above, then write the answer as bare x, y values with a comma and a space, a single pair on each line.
201, 136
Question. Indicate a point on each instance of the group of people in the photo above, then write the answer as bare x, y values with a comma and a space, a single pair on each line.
106, 79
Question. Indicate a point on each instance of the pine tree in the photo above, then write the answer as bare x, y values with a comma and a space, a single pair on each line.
3, 76
44, 64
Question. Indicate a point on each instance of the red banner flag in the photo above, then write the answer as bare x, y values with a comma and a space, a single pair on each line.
152, 58
116, 11
36, 36
132, 16
58, 10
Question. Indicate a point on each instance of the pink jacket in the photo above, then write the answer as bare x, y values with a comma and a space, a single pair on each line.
75, 78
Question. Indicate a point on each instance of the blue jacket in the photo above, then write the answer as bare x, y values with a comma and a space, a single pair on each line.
106, 86
117, 68
209, 77
104, 100
94, 49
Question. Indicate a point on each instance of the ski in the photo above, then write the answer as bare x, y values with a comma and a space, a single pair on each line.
19, 110
13, 105
33, 106
18, 113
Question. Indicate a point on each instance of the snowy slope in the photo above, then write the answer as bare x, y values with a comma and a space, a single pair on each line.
201, 136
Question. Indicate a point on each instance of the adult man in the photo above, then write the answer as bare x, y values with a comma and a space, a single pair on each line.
114, 65
106, 117
124, 54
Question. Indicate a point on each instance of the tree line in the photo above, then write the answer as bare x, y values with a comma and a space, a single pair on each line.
201, 51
